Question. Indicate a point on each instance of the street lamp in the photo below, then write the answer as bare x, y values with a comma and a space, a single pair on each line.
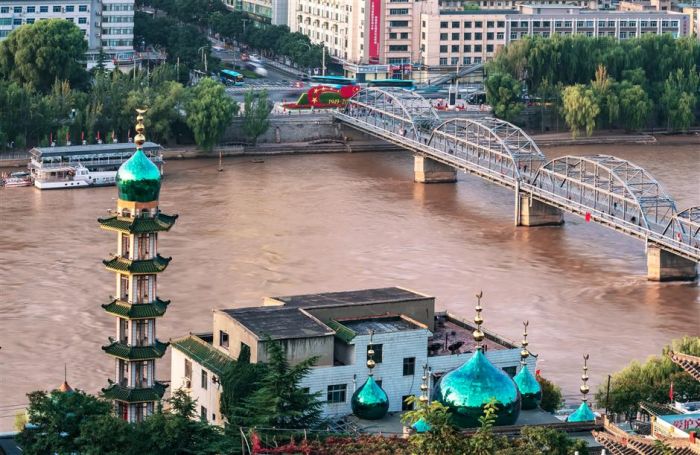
204, 58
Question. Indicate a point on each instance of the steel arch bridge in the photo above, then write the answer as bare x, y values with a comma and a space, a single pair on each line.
605, 189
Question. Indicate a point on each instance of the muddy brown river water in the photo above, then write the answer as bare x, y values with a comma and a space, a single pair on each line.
300, 224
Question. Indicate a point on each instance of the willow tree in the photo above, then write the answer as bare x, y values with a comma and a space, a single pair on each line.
209, 112
580, 109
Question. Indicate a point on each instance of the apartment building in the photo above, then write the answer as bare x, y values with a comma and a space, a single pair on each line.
273, 12
108, 24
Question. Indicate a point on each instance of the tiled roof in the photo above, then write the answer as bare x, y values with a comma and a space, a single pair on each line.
636, 445
117, 392
203, 353
127, 352
155, 265
138, 225
127, 310
689, 363
657, 409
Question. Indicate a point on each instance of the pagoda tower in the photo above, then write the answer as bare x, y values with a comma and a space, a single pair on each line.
136, 266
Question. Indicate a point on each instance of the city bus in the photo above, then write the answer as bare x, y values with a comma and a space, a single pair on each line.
230, 77
401, 83
332, 81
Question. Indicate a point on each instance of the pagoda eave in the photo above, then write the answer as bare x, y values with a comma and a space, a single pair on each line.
127, 310
126, 352
138, 225
137, 267
133, 395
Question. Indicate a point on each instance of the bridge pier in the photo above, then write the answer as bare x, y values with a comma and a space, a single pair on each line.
663, 265
427, 170
531, 212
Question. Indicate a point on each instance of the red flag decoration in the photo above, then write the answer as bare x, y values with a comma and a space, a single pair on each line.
82, 136
588, 217
98, 135
537, 372
67, 137
670, 392
51, 138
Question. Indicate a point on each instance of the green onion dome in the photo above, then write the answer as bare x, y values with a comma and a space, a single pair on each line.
466, 390
582, 414
421, 426
370, 402
138, 179
530, 390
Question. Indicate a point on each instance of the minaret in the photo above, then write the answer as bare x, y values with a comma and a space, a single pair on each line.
529, 387
370, 402
583, 413
421, 426
136, 305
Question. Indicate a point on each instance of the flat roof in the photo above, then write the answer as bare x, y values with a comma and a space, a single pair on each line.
279, 323
90, 148
477, 12
361, 297
382, 324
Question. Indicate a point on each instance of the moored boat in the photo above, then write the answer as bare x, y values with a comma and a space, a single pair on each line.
17, 179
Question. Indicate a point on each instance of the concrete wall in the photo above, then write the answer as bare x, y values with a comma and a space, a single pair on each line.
300, 349
295, 128
422, 310
237, 333
208, 398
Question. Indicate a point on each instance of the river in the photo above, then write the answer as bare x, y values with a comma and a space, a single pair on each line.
312, 223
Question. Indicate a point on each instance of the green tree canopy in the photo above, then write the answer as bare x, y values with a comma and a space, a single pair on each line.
580, 108
256, 111
41, 53
503, 94
635, 106
209, 112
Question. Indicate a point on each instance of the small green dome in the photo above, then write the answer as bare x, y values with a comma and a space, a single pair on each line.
530, 390
370, 402
467, 389
421, 426
582, 414
138, 179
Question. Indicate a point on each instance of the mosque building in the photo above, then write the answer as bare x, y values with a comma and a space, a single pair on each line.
136, 305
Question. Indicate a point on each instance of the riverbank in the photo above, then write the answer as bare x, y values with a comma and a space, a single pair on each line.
613, 137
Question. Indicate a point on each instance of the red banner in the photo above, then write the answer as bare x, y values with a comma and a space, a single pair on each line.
375, 9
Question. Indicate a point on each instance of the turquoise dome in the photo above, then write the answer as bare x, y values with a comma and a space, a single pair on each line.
582, 414
530, 390
370, 402
421, 426
467, 389
138, 179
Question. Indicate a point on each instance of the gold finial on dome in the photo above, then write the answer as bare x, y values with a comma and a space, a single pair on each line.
370, 353
140, 139
424, 386
478, 320
524, 353
584, 377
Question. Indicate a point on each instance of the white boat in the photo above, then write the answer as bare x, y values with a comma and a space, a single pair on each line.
16, 179
84, 165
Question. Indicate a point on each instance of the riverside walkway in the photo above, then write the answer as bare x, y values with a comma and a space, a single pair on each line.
604, 189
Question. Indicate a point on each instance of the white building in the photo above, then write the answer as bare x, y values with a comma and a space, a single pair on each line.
108, 24
335, 328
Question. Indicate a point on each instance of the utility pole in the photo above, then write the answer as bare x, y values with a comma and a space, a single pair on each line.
323, 59
177, 69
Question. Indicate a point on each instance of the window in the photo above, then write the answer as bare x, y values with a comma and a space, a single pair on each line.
500, 36
124, 287
70, 8
398, 48
443, 60
82, 20
478, 24
16, 21
443, 24
478, 36
31, 9
501, 24
489, 36
467, 48
141, 374
467, 36
203, 414
489, 24
409, 366
404, 35
489, 48
205, 380
405, 406
337, 393
455, 48
398, 23
17, 9
455, 24
467, 25
123, 331
30, 20
141, 329
44, 9
223, 339
466, 60
443, 36
454, 60
56, 8
398, 11
377, 352
83, 8
477, 48
188, 369
4, 10
443, 48
455, 36
143, 294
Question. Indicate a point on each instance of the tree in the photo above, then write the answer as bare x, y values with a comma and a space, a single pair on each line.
580, 109
41, 53
651, 381
503, 94
279, 401
238, 381
56, 419
256, 111
635, 106
441, 438
542, 440
679, 99
606, 97
209, 112
551, 395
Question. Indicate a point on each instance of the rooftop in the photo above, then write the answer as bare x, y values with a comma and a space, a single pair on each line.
279, 322
361, 297
90, 148
380, 324
199, 348
454, 335
480, 12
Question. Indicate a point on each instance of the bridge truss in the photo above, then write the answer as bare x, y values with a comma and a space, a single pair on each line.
608, 190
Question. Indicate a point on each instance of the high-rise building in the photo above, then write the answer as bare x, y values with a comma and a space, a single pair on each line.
136, 305
106, 24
